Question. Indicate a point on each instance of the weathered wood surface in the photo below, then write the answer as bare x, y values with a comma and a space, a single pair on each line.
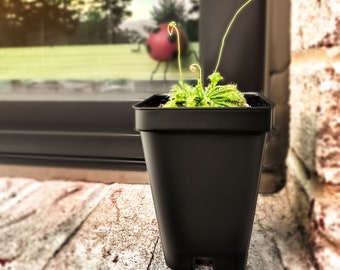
77, 225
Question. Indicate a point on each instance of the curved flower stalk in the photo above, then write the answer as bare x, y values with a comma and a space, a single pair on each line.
171, 27
227, 32
213, 95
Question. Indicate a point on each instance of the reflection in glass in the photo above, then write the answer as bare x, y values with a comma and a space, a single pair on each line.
92, 40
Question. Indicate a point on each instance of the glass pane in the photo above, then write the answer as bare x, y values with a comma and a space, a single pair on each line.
93, 45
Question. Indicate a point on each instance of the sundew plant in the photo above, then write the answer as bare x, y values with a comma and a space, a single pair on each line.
213, 95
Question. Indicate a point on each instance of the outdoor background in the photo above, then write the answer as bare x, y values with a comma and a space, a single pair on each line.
88, 39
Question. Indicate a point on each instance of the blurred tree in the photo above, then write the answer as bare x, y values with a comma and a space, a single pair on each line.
54, 22
38, 22
167, 11
91, 30
195, 6
174, 10
192, 24
50, 22
115, 11
11, 20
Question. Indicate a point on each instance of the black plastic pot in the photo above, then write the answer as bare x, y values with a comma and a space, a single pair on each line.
204, 166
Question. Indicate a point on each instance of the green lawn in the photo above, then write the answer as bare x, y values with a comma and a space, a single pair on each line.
95, 62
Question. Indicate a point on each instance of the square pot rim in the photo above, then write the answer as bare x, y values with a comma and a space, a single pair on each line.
238, 120
141, 104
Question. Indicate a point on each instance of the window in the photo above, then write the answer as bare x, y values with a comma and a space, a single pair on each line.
66, 96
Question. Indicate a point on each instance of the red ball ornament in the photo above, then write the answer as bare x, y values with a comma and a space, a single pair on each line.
163, 47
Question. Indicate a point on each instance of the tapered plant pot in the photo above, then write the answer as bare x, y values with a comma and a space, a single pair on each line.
204, 166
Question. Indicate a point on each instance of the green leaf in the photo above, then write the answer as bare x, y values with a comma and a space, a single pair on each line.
185, 95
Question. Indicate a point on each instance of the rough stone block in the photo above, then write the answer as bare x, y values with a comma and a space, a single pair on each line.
326, 257
325, 231
317, 208
314, 24
328, 132
299, 186
325, 219
315, 111
304, 101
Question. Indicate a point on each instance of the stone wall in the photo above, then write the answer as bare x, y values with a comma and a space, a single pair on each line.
314, 156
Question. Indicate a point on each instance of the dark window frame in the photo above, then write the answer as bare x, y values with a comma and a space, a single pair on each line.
100, 133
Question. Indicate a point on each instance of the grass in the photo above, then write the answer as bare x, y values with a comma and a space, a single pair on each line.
88, 62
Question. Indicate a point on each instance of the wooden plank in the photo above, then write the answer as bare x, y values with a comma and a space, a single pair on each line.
37, 218
62, 225
121, 233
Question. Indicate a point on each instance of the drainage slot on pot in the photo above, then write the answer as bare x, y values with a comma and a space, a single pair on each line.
201, 262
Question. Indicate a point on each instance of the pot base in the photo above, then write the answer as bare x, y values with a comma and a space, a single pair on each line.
234, 262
